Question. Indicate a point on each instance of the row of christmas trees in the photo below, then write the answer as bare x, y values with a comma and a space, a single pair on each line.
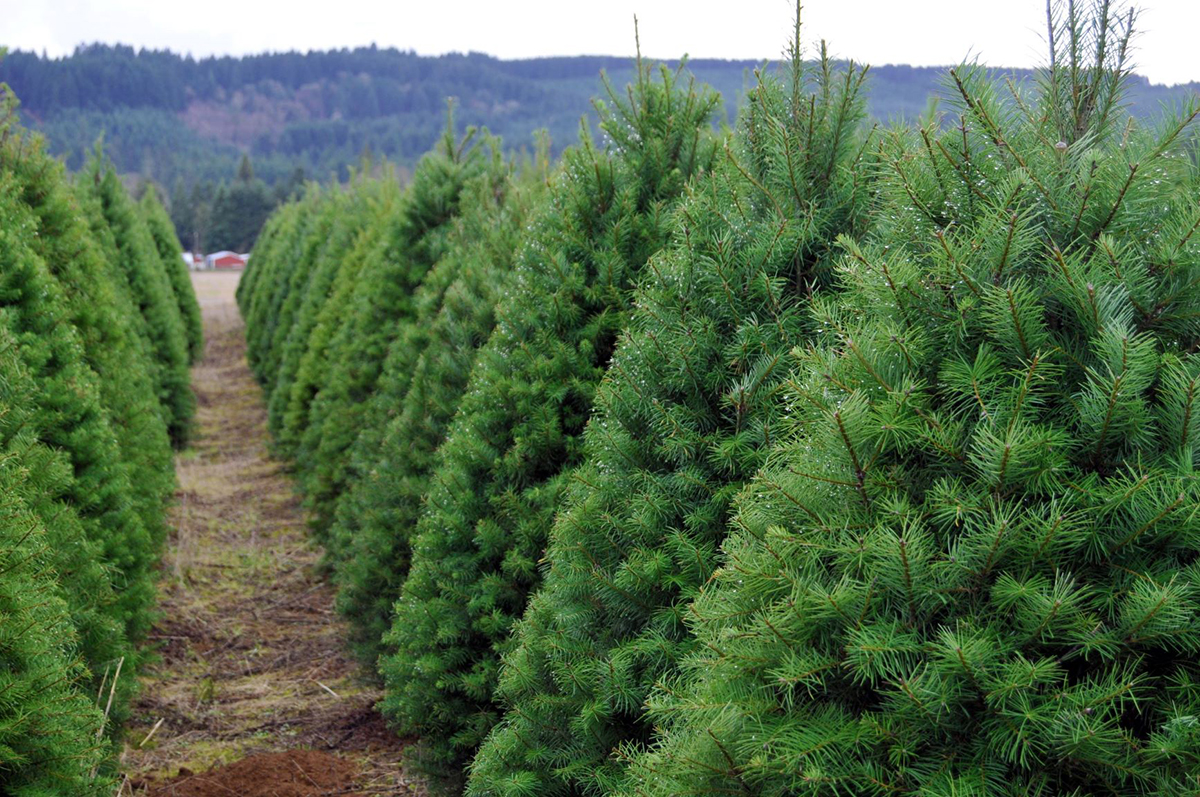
98, 325
808, 459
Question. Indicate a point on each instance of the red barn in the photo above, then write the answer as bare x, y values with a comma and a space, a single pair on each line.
226, 260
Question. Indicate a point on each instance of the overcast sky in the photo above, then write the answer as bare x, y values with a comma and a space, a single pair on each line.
924, 32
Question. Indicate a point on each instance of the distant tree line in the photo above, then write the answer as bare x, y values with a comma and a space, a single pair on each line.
188, 122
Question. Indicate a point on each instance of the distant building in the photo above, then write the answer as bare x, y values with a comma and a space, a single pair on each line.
225, 261
190, 261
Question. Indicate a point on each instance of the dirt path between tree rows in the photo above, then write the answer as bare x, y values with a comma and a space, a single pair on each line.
254, 694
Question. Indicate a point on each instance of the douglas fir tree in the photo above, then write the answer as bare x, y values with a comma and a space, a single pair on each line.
419, 389
48, 723
97, 402
91, 529
345, 211
170, 254
378, 203
690, 405
384, 300
150, 289
518, 430
970, 567
296, 267
264, 286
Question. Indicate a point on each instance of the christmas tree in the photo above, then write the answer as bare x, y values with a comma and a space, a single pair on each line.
384, 300
170, 253
969, 566
98, 305
419, 388
295, 261
346, 218
378, 202
689, 407
48, 723
502, 468
150, 289
267, 281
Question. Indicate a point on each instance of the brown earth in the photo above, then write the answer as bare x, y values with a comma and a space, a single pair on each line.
253, 693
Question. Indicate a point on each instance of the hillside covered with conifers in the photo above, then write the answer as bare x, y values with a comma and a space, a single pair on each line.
97, 331
188, 123
807, 458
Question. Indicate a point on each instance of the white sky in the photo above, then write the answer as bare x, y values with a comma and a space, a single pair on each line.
920, 32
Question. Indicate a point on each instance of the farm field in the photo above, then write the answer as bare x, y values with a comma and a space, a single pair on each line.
800, 458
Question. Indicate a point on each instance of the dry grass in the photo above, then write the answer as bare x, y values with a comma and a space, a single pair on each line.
252, 658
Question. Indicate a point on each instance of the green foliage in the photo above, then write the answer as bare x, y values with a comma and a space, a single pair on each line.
499, 474
64, 411
376, 201
970, 564
323, 263
238, 212
170, 254
150, 289
99, 407
384, 301
48, 725
86, 469
689, 407
273, 265
420, 386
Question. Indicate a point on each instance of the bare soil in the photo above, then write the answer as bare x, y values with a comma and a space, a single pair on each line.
254, 693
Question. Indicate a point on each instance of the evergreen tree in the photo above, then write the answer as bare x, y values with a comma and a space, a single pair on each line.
344, 210
970, 566
684, 416
237, 214
378, 203
422, 381
271, 266
62, 298
297, 263
150, 289
170, 253
48, 724
503, 465
65, 412
383, 302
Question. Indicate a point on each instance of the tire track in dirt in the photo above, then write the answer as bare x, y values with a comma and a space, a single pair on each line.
252, 665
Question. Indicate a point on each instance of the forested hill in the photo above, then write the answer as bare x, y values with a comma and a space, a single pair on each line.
170, 116
232, 137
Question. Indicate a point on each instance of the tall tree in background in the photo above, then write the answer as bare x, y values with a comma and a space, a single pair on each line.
970, 566
239, 210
